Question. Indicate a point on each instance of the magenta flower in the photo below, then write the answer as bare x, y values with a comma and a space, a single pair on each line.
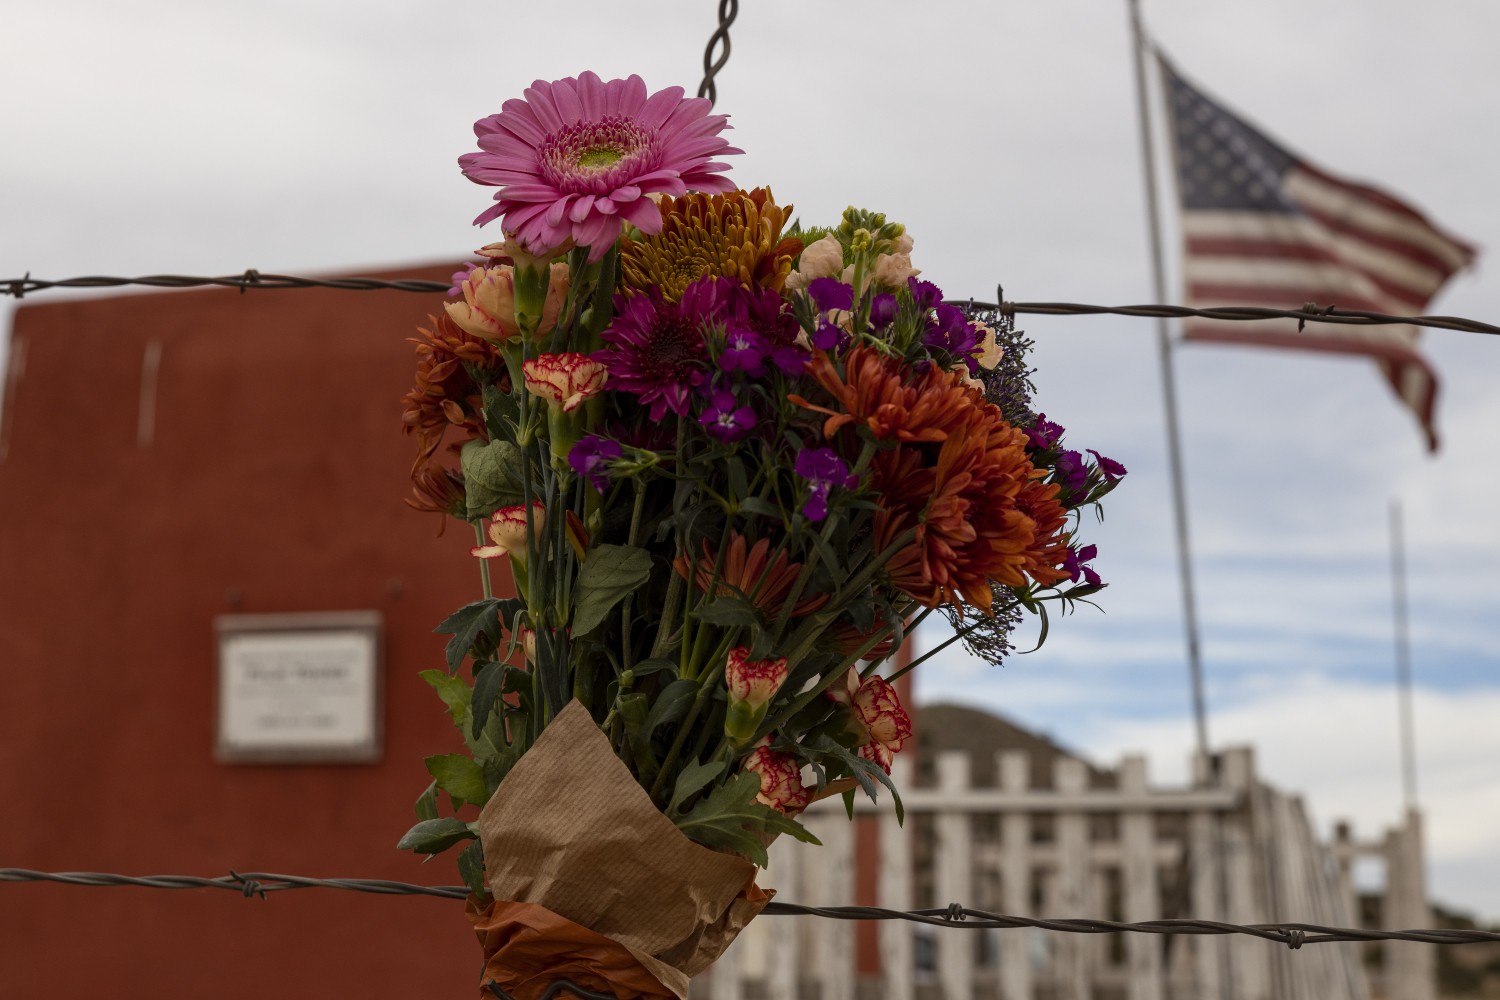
830, 293
1075, 564
823, 470
1108, 467
590, 458
744, 351
658, 351
726, 420
579, 157
1045, 434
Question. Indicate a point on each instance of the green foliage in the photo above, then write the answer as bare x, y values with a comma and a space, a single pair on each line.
471, 868
487, 684
426, 804
727, 611
492, 476
730, 819
454, 692
466, 625
432, 836
606, 576
459, 776
827, 754
691, 781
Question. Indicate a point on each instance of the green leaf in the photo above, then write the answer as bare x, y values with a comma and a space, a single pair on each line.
727, 611
691, 780
501, 412
426, 804
433, 835
486, 689
496, 767
459, 776
471, 867
634, 708
835, 566
755, 505
653, 666
466, 624
1041, 612
454, 692
825, 750
492, 476
730, 819
739, 482
606, 576
671, 705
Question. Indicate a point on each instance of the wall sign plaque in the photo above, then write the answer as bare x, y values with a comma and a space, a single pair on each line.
300, 688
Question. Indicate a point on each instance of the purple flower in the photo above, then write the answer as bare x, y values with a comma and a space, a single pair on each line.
1072, 473
744, 351
762, 310
883, 311
790, 361
925, 294
590, 458
827, 337
658, 352
830, 293
459, 279
1111, 470
823, 470
1074, 562
1045, 435
949, 330
725, 421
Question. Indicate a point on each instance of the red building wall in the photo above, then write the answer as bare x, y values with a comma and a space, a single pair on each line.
273, 482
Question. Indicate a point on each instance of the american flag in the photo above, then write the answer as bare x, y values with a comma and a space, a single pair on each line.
1263, 227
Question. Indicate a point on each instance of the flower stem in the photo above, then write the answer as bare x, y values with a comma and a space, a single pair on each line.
706, 687
484, 564
626, 607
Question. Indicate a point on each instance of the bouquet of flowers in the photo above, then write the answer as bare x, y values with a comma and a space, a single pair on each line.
727, 462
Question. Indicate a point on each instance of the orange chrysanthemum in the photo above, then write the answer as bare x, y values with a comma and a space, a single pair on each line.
436, 490
446, 394
879, 391
954, 481
1049, 547
962, 510
735, 235
746, 570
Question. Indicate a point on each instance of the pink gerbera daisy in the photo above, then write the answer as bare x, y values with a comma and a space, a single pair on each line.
580, 157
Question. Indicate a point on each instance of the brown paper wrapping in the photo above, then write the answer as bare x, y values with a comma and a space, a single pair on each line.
570, 830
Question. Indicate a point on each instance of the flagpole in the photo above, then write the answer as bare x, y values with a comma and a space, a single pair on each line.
1169, 388
1403, 660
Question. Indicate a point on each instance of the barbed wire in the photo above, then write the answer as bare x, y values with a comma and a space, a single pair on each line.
1292, 934
1308, 313
728, 11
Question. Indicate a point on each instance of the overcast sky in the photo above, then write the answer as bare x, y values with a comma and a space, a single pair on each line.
208, 137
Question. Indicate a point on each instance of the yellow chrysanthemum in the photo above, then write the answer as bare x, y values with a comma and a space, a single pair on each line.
735, 235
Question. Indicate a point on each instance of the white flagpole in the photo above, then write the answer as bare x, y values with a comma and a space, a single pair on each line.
1169, 389
1403, 660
